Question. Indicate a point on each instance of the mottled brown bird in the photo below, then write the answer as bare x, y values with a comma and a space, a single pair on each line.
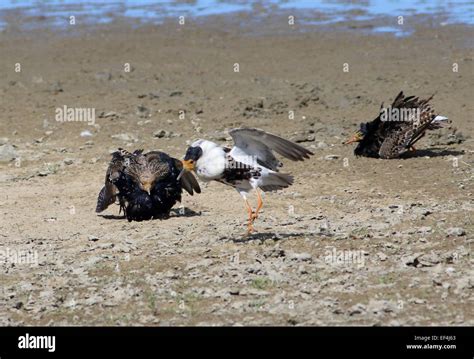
397, 128
147, 185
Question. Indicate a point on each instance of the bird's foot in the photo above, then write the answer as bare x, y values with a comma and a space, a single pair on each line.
412, 149
250, 229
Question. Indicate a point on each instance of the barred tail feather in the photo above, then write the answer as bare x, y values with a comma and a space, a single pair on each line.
276, 181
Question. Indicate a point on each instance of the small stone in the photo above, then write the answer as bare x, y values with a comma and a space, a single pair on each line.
302, 270
37, 80
103, 76
124, 137
424, 229
142, 109
93, 238
56, 88
162, 134
450, 270
331, 157
358, 308
429, 260
68, 161
106, 246
381, 306
412, 260
299, 138
455, 232
382, 256
110, 114
300, 257
7, 153
86, 133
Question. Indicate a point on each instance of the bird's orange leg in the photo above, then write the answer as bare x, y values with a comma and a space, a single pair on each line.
250, 223
259, 205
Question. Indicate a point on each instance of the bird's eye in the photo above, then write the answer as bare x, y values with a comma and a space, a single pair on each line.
191, 161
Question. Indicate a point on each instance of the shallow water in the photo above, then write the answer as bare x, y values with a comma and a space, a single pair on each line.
329, 12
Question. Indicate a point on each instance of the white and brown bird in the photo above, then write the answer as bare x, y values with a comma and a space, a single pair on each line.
249, 164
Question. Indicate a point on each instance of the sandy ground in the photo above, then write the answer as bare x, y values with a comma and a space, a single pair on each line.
355, 241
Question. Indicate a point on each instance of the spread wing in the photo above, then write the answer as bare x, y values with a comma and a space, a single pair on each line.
188, 181
407, 119
408, 130
260, 144
108, 193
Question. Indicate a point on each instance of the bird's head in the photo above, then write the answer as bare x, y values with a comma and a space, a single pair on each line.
359, 135
195, 152
146, 182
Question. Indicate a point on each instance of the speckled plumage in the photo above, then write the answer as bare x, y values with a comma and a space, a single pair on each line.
127, 175
391, 139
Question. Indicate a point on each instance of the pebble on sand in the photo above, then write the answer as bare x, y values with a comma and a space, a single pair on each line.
455, 232
7, 153
124, 137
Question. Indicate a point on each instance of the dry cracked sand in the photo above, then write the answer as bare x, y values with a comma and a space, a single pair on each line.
355, 241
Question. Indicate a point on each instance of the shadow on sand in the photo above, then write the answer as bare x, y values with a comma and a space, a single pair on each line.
175, 212
433, 152
276, 236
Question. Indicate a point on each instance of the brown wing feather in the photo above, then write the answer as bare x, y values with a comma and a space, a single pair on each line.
108, 193
188, 181
405, 133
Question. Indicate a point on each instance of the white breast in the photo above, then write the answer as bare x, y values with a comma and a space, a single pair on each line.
211, 165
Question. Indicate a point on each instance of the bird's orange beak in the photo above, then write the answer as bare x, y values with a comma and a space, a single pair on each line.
189, 165
356, 137
351, 140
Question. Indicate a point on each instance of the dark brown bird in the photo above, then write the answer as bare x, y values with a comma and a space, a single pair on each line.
397, 128
146, 185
